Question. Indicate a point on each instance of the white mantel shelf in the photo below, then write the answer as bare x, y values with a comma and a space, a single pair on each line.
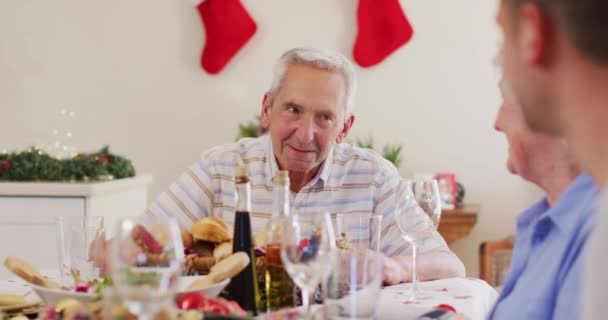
29, 212
72, 189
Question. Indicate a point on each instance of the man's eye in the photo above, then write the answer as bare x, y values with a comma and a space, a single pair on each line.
325, 117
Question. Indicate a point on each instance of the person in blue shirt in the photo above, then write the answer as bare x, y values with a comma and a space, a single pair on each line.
544, 279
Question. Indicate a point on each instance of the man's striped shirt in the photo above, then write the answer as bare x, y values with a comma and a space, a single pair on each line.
350, 180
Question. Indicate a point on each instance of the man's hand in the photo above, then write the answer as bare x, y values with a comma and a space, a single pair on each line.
393, 273
99, 253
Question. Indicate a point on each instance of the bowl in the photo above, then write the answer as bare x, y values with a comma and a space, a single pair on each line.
211, 291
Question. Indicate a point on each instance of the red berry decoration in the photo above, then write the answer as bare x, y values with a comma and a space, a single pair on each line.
83, 287
446, 307
191, 301
51, 313
6, 165
219, 306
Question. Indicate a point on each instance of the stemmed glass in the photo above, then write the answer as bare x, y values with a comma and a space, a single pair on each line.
146, 263
77, 236
428, 197
307, 251
417, 216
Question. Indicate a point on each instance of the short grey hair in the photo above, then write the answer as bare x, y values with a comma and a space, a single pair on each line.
317, 58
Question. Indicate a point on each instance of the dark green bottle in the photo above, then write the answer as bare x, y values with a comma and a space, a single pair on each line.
243, 288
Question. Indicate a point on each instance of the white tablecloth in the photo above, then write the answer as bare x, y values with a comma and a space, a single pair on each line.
470, 296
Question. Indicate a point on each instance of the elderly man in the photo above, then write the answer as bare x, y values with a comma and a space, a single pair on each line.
308, 112
546, 267
556, 58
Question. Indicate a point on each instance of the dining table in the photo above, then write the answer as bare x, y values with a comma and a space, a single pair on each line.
472, 298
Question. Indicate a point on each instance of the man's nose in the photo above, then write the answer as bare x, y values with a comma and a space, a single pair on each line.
499, 116
305, 132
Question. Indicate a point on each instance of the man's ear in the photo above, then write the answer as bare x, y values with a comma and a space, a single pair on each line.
348, 124
266, 111
536, 35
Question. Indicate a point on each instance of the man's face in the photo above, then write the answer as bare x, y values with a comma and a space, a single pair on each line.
526, 59
306, 117
510, 121
525, 147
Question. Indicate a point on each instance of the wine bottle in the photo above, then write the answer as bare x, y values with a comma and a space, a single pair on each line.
279, 287
243, 288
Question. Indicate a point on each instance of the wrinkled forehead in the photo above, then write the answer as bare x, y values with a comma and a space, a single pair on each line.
314, 86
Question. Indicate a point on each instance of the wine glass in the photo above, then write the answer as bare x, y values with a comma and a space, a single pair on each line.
307, 250
417, 215
426, 193
356, 278
146, 263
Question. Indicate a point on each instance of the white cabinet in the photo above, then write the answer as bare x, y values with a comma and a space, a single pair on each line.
28, 212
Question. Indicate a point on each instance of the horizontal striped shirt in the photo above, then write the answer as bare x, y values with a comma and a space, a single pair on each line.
350, 180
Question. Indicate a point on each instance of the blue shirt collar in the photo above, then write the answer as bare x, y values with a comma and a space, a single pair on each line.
564, 213
568, 207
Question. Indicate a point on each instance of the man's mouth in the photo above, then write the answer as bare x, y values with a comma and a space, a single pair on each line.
304, 150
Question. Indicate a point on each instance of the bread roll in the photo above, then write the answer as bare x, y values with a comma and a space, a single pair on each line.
195, 265
211, 229
203, 248
28, 273
222, 251
201, 283
219, 221
187, 239
21, 268
11, 299
229, 267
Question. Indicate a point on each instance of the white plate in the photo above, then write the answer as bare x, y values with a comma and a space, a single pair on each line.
211, 291
52, 296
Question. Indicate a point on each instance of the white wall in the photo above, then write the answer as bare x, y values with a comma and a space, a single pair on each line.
130, 70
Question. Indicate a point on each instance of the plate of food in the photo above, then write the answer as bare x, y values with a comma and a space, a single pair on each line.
50, 291
208, 267
52, 296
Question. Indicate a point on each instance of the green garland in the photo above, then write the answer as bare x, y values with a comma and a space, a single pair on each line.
36, 165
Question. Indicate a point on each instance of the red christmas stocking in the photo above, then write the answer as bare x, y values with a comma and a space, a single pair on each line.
383, 28
228, 27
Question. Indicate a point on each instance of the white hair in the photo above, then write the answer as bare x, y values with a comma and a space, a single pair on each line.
317, 58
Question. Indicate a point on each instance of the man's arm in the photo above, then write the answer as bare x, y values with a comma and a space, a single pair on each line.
189, 198
434, 259
435, 264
